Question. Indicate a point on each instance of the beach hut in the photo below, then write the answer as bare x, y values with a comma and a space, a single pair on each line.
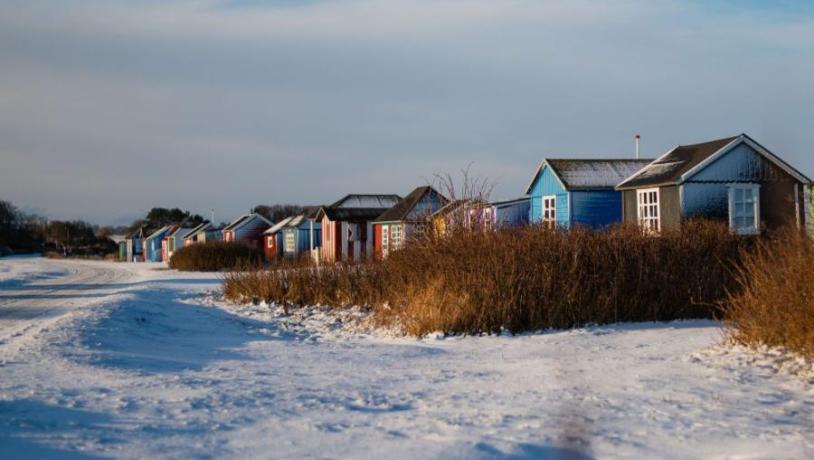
175, 240
135, 245
192, 236
273, 239
152, 244
312, 215
249, 227
569, 192
734, 179
121, 253
411, 214
511, 213
297, 236
347, 225
450, 216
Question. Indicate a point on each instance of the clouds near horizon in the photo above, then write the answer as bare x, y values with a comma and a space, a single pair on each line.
108, 108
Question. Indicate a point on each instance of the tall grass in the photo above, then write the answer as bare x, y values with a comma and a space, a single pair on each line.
522, 279
216, 256
775, 303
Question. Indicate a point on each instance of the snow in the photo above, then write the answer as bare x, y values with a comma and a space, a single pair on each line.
596, 173
136, 361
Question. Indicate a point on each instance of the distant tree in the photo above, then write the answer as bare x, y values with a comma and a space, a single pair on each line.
158, 217
104, 232
18, 230
278, 212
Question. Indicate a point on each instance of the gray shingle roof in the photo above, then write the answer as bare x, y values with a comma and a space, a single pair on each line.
402, 210
590, 174
669, 168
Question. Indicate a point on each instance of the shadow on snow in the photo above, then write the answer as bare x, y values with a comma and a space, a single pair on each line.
151, 332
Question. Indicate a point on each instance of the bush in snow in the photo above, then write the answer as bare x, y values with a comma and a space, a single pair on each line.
775, 303
215, 256
523, 279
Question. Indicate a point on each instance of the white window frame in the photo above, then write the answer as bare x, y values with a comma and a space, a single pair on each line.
733, 203
289, 242
548, 210
270, 241
397, 238
385, 238
648, 209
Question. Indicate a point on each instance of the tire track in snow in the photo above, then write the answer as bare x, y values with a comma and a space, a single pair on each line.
40, 303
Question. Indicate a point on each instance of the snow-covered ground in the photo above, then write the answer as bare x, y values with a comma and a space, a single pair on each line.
132, 360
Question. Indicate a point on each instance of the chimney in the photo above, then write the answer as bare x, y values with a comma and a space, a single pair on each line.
638, 138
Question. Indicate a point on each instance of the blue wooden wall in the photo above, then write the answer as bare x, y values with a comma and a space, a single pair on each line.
428, 204
302, 237
707, 192
596, 209
154, 247
547, 184
513, 214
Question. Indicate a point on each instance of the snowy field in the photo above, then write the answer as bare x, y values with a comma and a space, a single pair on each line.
132, 360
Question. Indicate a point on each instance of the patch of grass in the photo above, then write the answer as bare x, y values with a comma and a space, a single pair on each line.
774, 304
216, 256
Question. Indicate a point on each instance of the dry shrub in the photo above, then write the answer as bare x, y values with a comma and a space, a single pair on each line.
299, 283
535, 278
775, 303
522, 279
215, 256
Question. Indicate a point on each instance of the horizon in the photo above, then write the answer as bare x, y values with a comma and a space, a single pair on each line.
112, 108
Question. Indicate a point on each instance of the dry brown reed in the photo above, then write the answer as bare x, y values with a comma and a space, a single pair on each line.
216, 256
522, 279
775, 303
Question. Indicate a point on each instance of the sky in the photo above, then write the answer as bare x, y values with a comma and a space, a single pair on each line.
108, 108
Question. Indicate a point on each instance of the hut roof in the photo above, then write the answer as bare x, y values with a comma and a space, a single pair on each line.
589, 174
404, 208
670, 168
359, 207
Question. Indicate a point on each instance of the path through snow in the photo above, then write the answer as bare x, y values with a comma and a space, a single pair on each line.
124, 360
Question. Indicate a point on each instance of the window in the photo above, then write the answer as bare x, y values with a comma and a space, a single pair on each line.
396, 237
270, 241
385, 238
550, 210
648, 205
289, 242
744, 209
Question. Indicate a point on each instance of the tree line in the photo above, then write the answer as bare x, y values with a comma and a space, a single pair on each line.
22, 232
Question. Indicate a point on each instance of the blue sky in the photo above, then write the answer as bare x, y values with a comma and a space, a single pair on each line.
108, 108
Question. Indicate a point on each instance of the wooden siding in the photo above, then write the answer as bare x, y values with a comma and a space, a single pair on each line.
513, 215
741, 164
596, 209
630, 213
706, 193
377, 240
670, 207
302, 238
250, 231
777, 204
152, 247
547, 184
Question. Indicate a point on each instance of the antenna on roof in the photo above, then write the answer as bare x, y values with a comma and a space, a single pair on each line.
638, 138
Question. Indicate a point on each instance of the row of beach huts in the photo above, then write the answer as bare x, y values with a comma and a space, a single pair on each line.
734, 179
